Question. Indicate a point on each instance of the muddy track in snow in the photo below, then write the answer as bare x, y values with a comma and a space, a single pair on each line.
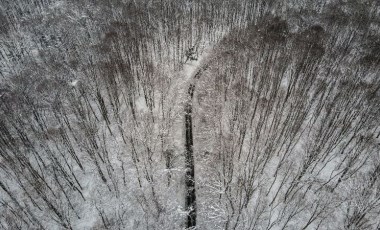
190, 170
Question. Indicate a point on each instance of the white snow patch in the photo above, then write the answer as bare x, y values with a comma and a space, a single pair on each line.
89, 219
141, 105
35, 52
284, 83
58, 4
74, 83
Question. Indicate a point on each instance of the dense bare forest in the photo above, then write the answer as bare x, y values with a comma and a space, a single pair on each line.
190, 114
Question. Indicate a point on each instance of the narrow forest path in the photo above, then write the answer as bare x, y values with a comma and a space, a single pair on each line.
178, 95
180, 98
179, 101
190, 204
